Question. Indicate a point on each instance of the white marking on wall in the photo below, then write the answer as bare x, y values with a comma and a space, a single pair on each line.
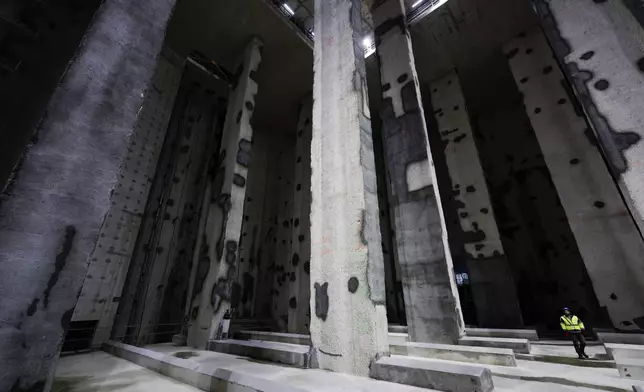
418, 175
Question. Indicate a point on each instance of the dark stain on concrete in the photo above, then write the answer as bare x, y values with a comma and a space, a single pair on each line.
295, 260
33, 307
307, 267
321, 300
601, 84
599, 204
353, 284
185, 354
363, 220
239, 180
402, 78
292, 303
243, 152
546, 70
640, 64
61, 260
231, 252
588, 55
458, 139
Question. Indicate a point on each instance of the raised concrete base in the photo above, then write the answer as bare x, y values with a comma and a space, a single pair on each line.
615, 351
518, 345
179, 340
398, 338
632, 368
193, 373
621, 338
433, 374
480, 355
292, 338
286, 353
398, 328
530, 334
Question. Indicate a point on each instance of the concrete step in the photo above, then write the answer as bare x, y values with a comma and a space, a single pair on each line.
566, 343
518, 345
597, 362
398, 328
621, 338
615, 350
292, 338
290, 354
632, 368
433, 374
530, 334
398, 338
480, 355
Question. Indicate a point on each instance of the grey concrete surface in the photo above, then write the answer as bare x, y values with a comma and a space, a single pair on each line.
347, 271
530, 334
517, 345
621, 338
480, 355
614, 350
630, 368
54, 206
398, 338
398, 329
432, 305
102, 372
292, 338
434, 374
286, 353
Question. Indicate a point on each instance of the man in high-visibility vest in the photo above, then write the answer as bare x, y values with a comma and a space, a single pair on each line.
574, 327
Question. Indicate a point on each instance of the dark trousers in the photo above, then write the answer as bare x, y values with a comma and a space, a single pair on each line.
579, 341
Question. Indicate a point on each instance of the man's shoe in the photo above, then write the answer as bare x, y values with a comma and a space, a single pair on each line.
586, 356
581, 357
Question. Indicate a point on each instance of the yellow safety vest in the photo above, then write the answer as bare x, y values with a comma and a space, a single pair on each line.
573, 323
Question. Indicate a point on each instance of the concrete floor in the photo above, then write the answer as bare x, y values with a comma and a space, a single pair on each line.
102, 372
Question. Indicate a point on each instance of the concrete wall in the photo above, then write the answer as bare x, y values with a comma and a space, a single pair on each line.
51, 214
109, 262
474, 237
39, 37
606, 234
601, 49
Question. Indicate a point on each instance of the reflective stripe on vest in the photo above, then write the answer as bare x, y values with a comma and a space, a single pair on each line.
570, 324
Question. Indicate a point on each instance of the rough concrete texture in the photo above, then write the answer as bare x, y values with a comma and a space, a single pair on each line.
431, 298
475, 240
529, 334
108, 264
293, 338
608, 239
602, 49
435, 374
278, 352
518, 345
52, 211
222, 228
299, 314
615, 351
102, 372
631, 368
398, 337
621, 338
480, 355
349, 324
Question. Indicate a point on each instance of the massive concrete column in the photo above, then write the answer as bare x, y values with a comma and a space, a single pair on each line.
52, 211
299, 313
473, 232
348, 320
600, 45
431, 297
606, 234
225, 213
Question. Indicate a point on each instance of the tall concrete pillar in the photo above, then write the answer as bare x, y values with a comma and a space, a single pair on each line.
607, 237
348, 320
223, 218
431, 297
473, 232
53, 209
600, 47
299, 312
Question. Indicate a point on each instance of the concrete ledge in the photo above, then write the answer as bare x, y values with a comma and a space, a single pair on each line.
192, 373
292, 338
433, 374
398, 328
637, 389
592, 363
480, 355
530, 334
621, 338
289, 354
518, 345
632, 368
615, 350
398, 338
